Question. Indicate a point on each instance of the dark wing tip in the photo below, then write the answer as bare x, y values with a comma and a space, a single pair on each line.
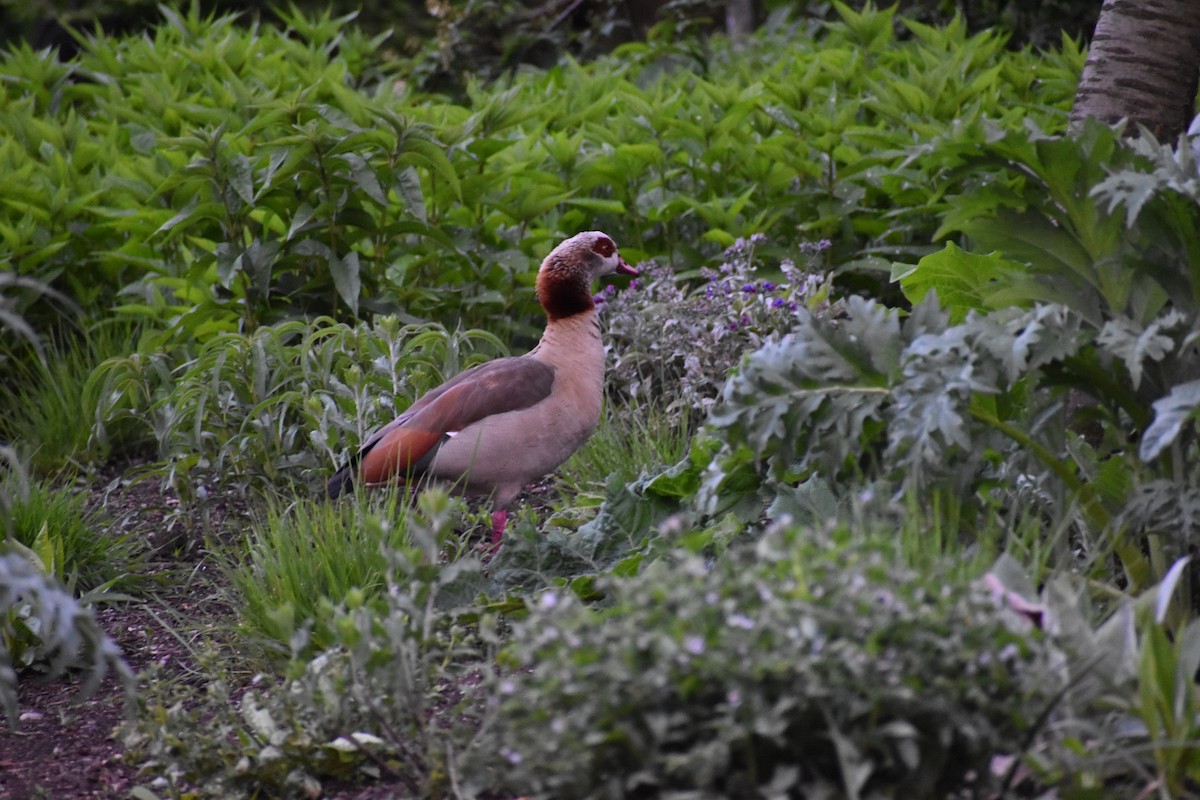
341, 482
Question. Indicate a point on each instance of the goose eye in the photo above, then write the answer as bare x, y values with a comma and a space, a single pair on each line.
604, 247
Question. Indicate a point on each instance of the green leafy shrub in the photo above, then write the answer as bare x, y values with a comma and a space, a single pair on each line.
969, 411
798, 666
1106, 232
361, 709
488, 38
966, 411
207, 178
268, 193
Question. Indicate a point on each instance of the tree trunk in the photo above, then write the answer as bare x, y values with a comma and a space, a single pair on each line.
1143, 66
741, 17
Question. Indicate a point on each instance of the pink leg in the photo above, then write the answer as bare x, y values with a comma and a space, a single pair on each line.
499, 520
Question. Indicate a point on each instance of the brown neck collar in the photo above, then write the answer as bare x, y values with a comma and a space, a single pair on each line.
563, 291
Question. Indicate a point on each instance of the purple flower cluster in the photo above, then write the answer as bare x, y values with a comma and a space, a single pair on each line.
677, 343
606, 293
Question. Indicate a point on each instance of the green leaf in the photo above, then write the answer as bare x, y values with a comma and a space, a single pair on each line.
962, 281
184, 214
347, 279
241, 177
1034, 239
1170, 414
597, 204
408, 187
301, 217
364, 177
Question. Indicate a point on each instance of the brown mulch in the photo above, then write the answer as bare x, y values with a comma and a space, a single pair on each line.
65, 748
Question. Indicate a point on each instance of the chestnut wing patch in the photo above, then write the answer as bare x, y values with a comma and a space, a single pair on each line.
407, 445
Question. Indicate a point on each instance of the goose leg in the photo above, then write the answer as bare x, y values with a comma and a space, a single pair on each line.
499, 520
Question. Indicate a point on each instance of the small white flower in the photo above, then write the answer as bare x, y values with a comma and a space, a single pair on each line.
694, 645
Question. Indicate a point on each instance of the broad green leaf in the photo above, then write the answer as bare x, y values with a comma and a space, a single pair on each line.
1035, 240
962, 281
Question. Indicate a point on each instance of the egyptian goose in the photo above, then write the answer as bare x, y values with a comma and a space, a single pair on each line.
503, 424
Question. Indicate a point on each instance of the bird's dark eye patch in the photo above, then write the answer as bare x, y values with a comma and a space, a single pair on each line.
604, 246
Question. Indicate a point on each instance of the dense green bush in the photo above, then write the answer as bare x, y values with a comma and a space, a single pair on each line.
966, 408
447, 43
209, 177
272, 174
799, 666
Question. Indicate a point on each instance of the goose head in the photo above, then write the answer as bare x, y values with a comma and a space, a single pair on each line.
566, 276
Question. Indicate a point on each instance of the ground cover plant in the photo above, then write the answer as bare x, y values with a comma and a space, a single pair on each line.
894, 494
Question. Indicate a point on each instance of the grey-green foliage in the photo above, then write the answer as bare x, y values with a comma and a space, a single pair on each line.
872, 395
1130, 667
1104, 228
804, 665
1159, 193
38, 617
1092, 289
1101, 225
